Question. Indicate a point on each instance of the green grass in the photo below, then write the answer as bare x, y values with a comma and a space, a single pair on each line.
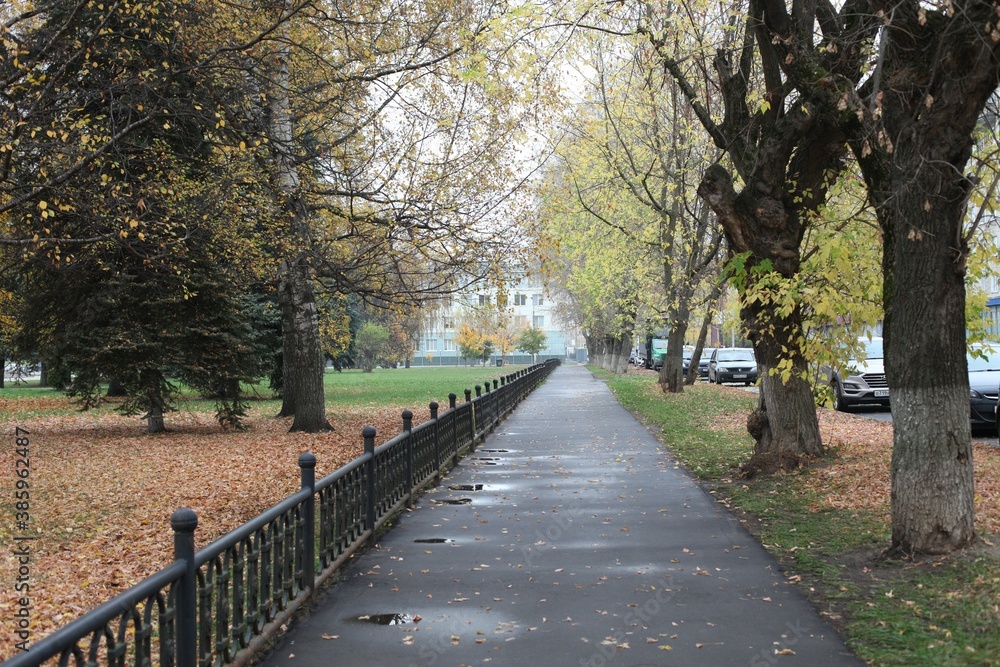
930, 612
410, 387
687, 422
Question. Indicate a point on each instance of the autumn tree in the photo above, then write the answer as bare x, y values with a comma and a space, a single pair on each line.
908, 84
118, 192
531, 341
371, 343
782, 151
390, 140
646, 147
473, 344
594, 272
386, 139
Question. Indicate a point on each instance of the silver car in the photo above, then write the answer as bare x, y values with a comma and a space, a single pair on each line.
865, 383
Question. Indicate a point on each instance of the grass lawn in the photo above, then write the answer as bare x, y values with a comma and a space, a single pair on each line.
102, 490
828, 525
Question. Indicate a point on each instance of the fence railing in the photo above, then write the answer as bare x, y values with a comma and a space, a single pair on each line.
221, 604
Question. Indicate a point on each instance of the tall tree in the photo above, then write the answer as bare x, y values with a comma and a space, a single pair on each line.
128, 215
391, 134
784, 151
654, 150
908, 82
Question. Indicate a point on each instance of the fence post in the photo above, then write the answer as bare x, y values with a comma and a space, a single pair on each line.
502, 409
453, 445
184, 521
368, 433
307, 467
472, 407
437, 445
408, 427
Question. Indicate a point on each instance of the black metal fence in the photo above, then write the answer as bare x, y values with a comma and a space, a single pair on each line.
220, 605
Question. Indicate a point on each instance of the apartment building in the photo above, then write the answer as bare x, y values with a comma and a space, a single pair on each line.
528, 305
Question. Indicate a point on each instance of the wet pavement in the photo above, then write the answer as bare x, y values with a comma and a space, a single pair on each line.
570, 537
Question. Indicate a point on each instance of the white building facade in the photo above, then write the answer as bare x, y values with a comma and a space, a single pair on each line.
528, 305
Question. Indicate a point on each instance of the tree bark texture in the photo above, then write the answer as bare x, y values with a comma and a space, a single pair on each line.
926, 368
305, 364
672, 372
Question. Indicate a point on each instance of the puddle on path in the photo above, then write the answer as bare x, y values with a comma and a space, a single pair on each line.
435, 540
385, 619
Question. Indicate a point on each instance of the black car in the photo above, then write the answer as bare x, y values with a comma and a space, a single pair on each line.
984, 380
706, 356
732, 364
686, 360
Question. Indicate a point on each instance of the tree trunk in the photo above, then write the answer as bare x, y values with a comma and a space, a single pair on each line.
115, 389
927, 371
43, 374
152, 383
779, 425
938, 72
306, 360
672, 372
765, 228
706, 322
288, 354
154, 420
622, 350
303, 355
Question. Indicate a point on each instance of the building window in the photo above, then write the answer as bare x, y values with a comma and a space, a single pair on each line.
430, 345
520, 299
449, 344
449, 322
484, 299
538, 300
521, 321
538, 321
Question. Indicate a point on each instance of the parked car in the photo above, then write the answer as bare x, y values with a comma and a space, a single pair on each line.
686, 360
984, 385
706, 356
865, 382
732, 364
637, 359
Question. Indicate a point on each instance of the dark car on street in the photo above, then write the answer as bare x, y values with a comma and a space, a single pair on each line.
706, 356
984, 385
732, 364
686, 356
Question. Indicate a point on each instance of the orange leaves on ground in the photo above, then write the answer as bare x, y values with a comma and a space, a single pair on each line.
102, 492
859, 476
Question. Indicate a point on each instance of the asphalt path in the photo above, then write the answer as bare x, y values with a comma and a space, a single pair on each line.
569, 538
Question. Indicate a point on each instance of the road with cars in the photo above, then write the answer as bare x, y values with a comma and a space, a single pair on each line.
882, 414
